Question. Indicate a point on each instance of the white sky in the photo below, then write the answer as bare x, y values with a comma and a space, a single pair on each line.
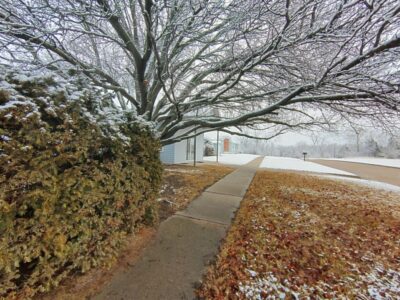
293, 138
290, 138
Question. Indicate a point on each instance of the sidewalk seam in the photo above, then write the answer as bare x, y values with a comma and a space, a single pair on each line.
200, 219
224, 194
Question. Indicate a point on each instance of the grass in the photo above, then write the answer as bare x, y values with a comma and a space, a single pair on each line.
181, 185
298, 236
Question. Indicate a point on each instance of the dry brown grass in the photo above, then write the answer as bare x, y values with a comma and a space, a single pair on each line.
183, 183
298, 236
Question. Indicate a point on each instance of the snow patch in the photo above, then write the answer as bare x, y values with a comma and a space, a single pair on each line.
287, 163
267, 287
378, 284
252, 273
383, 284
185, 171
367, 183
232, 159
96, 104
5, 138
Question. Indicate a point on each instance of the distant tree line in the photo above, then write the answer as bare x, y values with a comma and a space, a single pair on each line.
368, 146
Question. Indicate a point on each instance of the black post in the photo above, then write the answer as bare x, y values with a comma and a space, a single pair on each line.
304, 154
217, 144
195, 149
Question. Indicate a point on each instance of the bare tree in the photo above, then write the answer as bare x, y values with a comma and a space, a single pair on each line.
358, 130
319, 140
281, 64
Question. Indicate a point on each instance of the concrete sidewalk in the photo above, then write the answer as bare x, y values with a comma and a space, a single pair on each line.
174, 263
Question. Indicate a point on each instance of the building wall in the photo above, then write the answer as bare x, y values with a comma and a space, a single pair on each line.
176, 153
200, 147
229, 146
180, 152
226, 145
220, 147
234, 147
167, 154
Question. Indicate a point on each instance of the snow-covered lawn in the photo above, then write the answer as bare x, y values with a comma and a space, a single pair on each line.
287, 163
367, 183
371, 160
232, 159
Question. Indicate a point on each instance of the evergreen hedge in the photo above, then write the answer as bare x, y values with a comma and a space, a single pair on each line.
76, 176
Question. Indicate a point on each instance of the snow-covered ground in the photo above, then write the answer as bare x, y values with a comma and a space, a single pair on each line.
287, 163
371, 160
232, 159
367, 183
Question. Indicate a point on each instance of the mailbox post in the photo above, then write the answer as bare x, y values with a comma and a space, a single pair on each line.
304, 155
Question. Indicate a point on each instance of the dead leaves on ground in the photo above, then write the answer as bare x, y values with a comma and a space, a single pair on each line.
183, 183
301, 236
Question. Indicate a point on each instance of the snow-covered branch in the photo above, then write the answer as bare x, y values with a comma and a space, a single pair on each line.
178, 62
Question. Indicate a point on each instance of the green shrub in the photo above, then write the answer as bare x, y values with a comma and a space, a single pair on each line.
73, 181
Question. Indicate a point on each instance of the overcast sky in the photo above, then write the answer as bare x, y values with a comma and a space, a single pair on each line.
293, 138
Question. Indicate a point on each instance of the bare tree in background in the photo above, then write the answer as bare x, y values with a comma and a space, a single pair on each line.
318, 140
264, 64
358, 131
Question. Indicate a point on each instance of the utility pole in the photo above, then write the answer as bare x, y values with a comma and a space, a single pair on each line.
195, 143
217, 145
216, 114
358, 141
195, 149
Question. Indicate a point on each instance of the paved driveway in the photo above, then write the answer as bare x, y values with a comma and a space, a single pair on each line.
366, 171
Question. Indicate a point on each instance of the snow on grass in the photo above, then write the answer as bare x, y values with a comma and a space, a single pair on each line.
371, 160
381, 284
287, 163
300, 237
232, 159
367, 183
187, 171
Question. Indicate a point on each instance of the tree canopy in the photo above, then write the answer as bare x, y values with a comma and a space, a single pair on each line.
198, 65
